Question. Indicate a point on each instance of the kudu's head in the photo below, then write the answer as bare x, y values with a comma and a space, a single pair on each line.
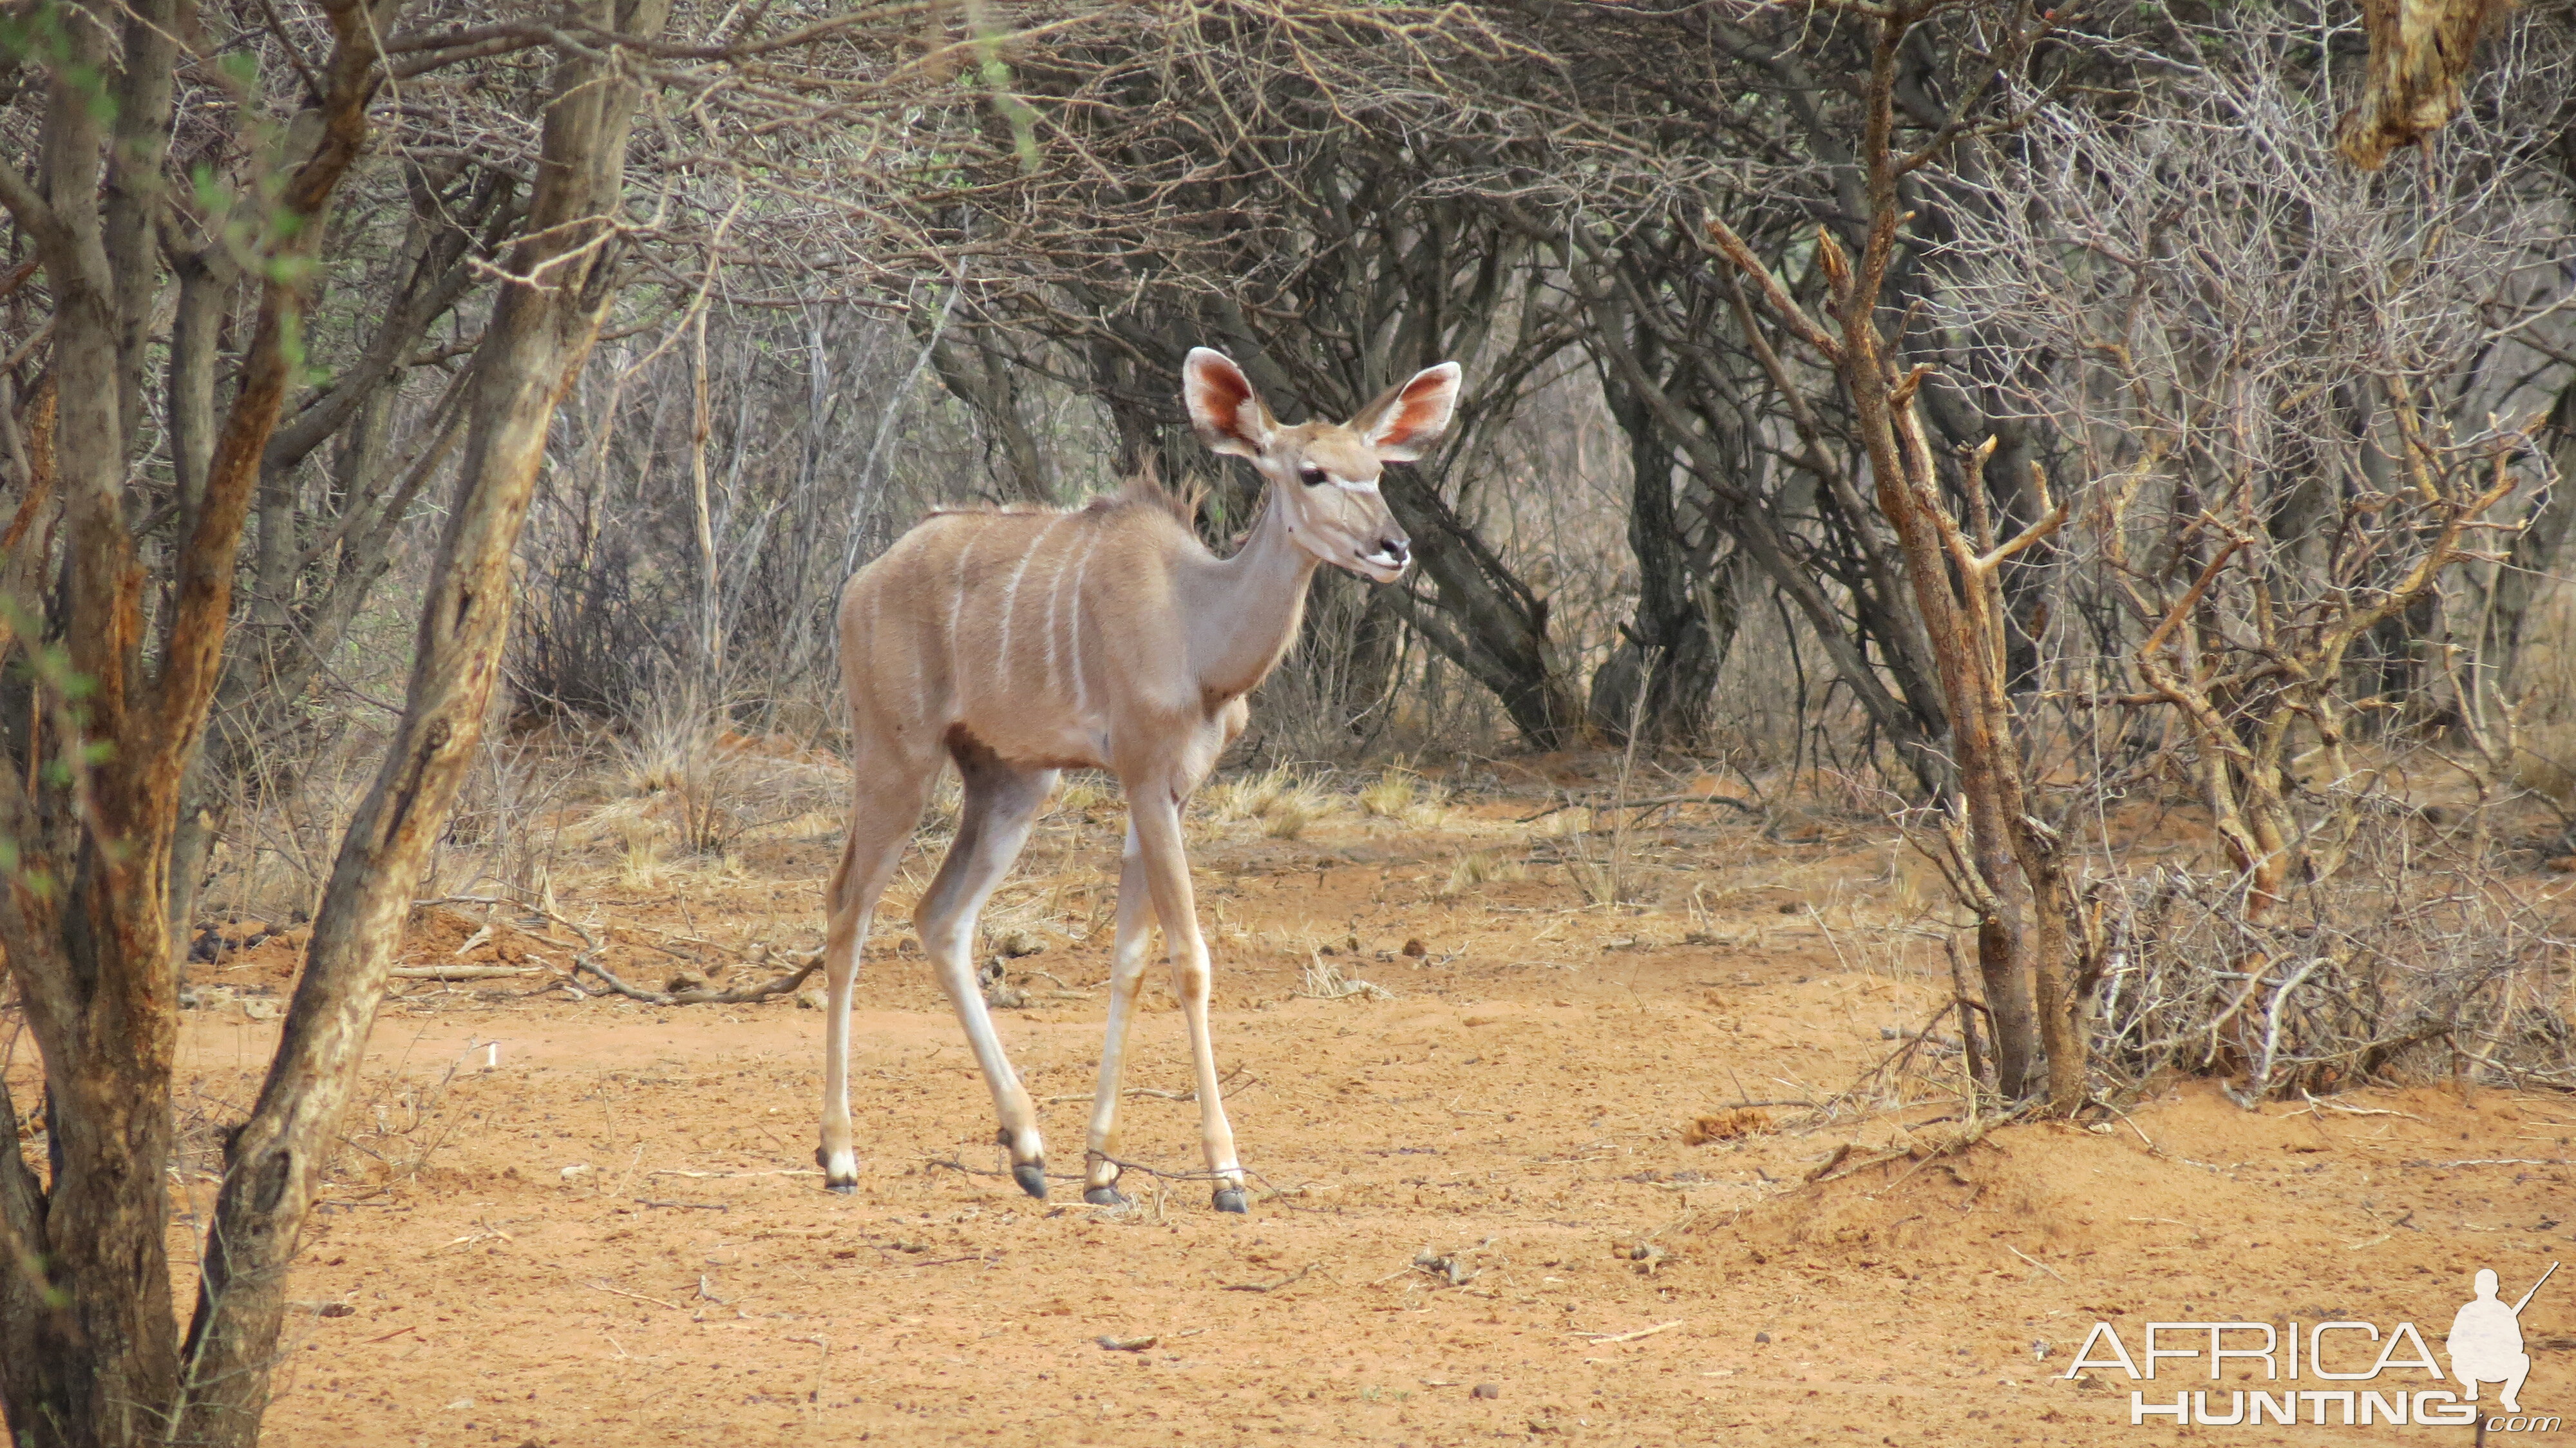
1324, 474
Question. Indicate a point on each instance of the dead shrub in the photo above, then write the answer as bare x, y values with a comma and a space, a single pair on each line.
2390, 970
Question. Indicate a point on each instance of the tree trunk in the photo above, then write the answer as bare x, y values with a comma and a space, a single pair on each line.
2013, 882
2420, 51
84, 916
1485, 621
1664, 670
537, 341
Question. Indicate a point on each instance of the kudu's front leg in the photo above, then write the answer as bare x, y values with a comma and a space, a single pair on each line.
1126, 973
1154, 813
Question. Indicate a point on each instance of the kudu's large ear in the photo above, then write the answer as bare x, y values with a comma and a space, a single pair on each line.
1227, 413
1406, 420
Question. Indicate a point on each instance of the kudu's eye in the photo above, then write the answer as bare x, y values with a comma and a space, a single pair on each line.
1311, 477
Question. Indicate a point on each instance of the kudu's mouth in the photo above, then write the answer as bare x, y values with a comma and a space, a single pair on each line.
1386, 562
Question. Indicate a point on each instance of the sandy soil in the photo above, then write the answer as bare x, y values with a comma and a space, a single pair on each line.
578, 1222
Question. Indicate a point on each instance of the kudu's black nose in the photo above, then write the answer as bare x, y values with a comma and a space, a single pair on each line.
1393, 548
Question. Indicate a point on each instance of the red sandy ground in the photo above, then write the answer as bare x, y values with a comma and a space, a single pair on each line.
1518, 1108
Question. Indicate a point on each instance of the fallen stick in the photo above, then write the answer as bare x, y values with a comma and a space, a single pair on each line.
533, 909
2035, 1262
739, 995
1297, 1276
1662, 799
784, 1171
638, 1296
1600, 1339
462, 972
695, 1206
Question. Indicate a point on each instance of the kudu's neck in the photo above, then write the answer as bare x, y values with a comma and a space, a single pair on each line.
1247, 608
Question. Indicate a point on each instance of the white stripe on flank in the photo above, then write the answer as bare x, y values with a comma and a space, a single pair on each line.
920, 685
1055, 593
1073, 631
1055, 586
1010, 599
956, 611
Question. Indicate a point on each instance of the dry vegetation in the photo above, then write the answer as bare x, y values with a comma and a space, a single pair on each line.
1976, 552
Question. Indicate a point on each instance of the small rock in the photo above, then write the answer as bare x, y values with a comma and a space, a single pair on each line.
259, 1010
685, 980
1415, 948
1486, 1390
1761, 1337
1127, 1344
1018, 943
338, 1309
1788, 909
577, 1169
812, 1000
1457, 1273
999, 993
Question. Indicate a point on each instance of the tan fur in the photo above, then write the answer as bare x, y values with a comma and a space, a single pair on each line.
1016, 644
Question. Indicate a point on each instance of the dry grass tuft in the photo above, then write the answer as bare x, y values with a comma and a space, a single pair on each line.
1392, 794
1285, 801
1289, 815
1248, 796
1323, 980
1481, 867
1403, 796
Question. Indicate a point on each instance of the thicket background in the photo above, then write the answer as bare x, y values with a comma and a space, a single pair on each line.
2278, 440
875, 261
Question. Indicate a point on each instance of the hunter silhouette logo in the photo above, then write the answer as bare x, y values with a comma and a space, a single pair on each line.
2361, 1373
2486, 1340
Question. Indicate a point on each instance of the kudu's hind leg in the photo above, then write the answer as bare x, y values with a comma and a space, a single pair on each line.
881, 821
1126, 972
999, 805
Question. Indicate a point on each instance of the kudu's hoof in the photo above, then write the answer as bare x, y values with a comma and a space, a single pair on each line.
1232, 1199
1031, 1175
831, 1182
1104, 1196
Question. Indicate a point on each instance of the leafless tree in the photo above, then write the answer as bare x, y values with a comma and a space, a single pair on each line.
126, 581
2300, 400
